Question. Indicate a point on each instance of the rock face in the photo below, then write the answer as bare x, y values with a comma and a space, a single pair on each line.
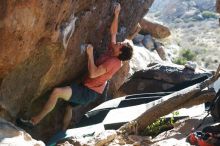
148, 42
159, 78
155, 29
40, 49
218, 6
12, 135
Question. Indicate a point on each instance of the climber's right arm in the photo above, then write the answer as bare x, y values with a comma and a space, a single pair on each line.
114, 25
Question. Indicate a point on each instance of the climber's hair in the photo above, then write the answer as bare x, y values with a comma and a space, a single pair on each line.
126, 52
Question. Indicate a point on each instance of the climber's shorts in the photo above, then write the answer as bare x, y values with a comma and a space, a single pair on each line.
81, 95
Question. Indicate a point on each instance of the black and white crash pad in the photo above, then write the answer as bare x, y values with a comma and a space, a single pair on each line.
99, 117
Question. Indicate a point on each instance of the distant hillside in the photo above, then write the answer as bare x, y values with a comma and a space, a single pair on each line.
194, 26
169, 10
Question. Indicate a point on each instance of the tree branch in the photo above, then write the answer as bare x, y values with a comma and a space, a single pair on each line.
172, 102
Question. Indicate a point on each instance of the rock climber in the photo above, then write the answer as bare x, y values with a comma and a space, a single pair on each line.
99, 72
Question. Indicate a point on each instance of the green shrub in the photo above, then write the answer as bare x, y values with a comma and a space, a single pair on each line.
160, 125
155, 128
185, 55
209, 14
188, 54
180, 61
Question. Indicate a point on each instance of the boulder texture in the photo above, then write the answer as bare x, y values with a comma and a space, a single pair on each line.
148, 42
12, 135
159, 78
218, 6
155, 29
41, 49
97, 139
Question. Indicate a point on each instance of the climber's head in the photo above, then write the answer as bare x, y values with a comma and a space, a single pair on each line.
123, 50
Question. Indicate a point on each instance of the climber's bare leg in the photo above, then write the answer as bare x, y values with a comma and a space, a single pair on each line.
58, 93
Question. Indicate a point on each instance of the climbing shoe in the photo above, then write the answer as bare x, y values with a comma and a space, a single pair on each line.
24, 123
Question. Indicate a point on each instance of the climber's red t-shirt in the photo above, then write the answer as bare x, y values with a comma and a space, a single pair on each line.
112, 65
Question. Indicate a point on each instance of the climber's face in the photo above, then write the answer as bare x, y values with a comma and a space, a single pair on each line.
117, 48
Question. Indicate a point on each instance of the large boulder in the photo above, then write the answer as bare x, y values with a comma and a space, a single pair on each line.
40, 49
159, 47
148, 42
155, 29
160, 78
12, 135
138, 39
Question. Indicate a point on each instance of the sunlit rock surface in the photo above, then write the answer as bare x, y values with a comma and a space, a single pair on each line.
12, 135
155, 29
98, 139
